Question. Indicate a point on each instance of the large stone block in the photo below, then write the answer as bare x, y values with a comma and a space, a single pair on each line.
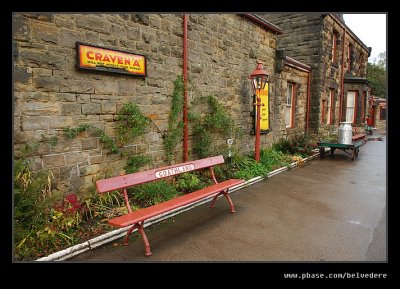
42, 17
35, 122
89, 170
133, 33
65, 21
106, 87
108, 40
68, 172
66, 97
75, 158
108, 106
35, 58
89, 143
97, 159
92, 37
46, 84
55, 160
109, 117
42, 72
66, 145
91, 108
118, 31
70, 109
40, 108
68, 38
45, 33
94, 23
141, 18
60, 122
21, 28
22, 74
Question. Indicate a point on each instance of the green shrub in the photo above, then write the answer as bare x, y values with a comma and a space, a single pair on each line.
252, 170
134, 162
300, 143
153, 193
189, 182
131, 122
273, 159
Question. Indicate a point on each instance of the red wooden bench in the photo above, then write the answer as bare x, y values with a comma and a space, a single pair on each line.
360, 136
136, 219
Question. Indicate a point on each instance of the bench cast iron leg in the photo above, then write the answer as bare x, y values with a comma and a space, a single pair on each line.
126, 241
147, 251
138, 226
228, 198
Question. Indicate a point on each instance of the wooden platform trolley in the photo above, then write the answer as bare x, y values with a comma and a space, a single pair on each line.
354, 147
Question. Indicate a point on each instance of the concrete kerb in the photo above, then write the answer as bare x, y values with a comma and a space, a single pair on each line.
116, 234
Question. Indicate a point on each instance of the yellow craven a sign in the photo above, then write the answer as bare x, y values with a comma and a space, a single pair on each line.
98, 58
264, 123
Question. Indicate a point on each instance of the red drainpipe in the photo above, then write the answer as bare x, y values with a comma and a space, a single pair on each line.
185, 105
342, 80
308, 99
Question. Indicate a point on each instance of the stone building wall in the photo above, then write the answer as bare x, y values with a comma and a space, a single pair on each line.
50, 93
301, 39
308, 38
300, 79
223, 50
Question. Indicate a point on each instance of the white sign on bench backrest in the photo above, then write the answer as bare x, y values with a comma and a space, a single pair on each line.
174, 171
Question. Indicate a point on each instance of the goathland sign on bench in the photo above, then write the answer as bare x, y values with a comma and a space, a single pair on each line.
136, 219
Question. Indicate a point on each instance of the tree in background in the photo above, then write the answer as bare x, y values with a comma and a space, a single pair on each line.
376, 75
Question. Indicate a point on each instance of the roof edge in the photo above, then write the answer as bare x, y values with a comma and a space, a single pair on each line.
334, 16
263, 23
293, 62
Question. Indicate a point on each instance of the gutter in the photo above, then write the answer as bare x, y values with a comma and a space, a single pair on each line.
297, 64
262, 22
116, 234
185, 102
308, 100
342, 80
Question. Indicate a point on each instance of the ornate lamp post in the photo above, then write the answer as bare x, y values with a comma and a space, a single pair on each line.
259, 78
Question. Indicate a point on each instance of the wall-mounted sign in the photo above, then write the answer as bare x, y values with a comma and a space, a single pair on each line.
264, 123
98, 58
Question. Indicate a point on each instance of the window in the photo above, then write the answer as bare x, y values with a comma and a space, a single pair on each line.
383, 113
289, 105
350, 106
334, 48
329, 106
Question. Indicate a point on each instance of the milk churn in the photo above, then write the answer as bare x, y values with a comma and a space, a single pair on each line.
345, 133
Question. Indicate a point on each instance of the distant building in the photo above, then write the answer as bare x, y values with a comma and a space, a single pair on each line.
338, 58
377, 109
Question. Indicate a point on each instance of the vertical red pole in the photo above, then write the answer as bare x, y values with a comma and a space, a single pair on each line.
185, 105
342, 79
308, 100
258, 117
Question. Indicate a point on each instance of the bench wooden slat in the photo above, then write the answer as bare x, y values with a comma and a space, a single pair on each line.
359, 136
146, 213
125, 181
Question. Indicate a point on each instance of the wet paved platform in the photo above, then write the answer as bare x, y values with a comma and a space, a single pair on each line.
327, 210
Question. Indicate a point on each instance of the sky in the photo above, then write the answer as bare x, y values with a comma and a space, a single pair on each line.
371, 29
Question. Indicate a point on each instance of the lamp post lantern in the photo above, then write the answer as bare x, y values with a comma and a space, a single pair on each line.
259, 78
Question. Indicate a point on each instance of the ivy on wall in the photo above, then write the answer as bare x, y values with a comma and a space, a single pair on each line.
175, 123
216, 121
